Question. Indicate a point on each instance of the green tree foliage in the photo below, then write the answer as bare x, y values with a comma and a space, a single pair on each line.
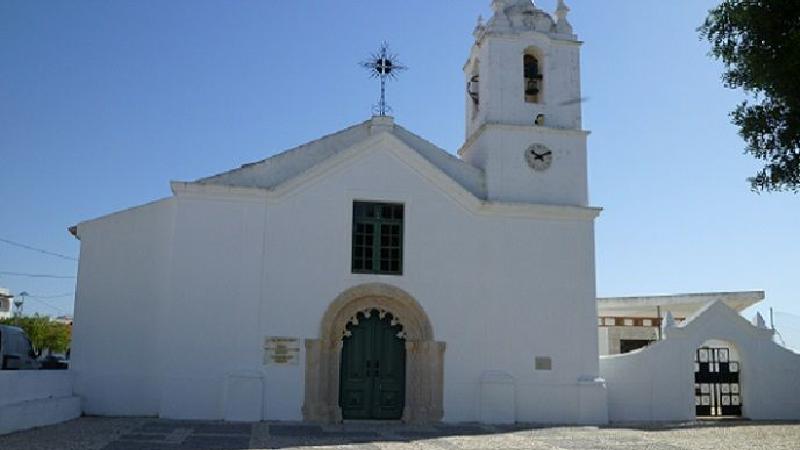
759, 43
43, 333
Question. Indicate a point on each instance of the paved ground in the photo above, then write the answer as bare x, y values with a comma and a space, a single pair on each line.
151, 434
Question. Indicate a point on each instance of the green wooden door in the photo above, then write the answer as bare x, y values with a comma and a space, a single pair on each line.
373, 370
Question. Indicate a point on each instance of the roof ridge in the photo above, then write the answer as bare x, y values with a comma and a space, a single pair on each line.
280, 167
284, 153
451, 156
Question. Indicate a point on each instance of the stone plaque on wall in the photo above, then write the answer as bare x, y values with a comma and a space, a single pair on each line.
281, 350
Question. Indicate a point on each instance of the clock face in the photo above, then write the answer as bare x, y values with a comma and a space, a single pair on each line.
539, 157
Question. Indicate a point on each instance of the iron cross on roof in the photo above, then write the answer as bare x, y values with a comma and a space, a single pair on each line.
383, 65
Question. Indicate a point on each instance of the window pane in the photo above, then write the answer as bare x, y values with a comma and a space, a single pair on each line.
377, 237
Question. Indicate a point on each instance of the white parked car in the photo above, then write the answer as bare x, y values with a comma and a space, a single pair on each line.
16, 350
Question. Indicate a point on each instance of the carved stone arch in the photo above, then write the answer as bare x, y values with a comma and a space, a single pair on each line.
381, 297
424, 356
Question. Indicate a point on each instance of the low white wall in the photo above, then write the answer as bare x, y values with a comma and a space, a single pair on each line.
497, 398
34, 398
119, 307
649, 385
657, 383
23, 385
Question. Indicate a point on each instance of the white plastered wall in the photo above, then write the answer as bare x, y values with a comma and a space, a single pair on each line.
497, 289
36, 398
501, 151
657, 383
121, 295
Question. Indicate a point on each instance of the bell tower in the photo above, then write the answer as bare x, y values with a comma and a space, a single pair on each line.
523, 106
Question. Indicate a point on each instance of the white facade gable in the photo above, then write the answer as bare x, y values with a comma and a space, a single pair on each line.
242, 263
275, 171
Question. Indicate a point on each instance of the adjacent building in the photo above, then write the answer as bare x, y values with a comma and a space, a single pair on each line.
6, 303
629, 323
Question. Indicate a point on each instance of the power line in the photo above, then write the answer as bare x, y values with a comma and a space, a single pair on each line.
55, 308
40, 250
35, 275
65, 294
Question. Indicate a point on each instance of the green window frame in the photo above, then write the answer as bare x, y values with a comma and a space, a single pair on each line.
377, 238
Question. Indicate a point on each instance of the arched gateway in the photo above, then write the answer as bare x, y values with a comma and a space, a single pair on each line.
391, 314
717, 387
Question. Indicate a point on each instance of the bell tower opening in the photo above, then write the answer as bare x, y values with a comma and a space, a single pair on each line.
473, 103
532, 74
473, 90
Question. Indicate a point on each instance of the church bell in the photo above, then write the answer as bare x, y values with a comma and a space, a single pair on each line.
532, 87
473, 88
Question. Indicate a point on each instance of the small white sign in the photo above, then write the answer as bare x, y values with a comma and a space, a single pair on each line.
280, 350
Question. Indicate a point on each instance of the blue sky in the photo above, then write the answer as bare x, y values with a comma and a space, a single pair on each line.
102, 103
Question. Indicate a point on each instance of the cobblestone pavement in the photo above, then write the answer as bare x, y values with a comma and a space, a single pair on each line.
152, 434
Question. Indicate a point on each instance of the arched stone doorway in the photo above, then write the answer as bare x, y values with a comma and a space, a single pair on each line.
372, 375
424, 356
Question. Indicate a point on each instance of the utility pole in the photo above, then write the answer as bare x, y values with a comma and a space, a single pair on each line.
660, 321
771, 319
19, 302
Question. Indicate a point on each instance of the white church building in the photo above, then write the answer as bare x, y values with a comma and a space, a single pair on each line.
369, 274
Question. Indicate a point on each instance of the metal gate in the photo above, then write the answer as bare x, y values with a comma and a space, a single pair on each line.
716, 383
